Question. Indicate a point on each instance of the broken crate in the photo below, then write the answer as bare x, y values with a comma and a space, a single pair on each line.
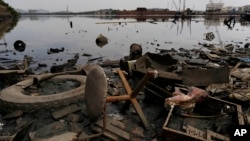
210, 120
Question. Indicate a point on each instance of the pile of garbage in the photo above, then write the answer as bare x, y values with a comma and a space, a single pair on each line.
173, 94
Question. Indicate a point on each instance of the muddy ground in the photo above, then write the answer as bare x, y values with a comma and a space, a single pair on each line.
69, 119
77, 121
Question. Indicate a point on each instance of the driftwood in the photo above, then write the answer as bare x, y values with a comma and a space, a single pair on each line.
97, 58
110, 63
21, 71
46, 76
62, 67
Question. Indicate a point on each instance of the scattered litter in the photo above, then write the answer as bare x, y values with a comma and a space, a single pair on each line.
209, 36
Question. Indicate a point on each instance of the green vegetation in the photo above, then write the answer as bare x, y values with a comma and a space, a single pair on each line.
8, 17
10, 9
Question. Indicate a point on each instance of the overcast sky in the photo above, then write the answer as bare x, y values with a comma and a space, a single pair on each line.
88, 5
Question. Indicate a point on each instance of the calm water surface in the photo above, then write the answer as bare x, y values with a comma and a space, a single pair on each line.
43, 32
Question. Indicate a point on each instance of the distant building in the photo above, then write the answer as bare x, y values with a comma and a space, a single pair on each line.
157, 9
141, 9
214, 7
229, 9
32, 11
240, 9
245, 8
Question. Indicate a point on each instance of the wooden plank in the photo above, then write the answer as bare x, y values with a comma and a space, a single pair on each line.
106, 133
65, 111
114, 130
211, 134
195, 132
116, 123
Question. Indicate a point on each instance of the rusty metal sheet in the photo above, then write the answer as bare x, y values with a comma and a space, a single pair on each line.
204, 77
95, 92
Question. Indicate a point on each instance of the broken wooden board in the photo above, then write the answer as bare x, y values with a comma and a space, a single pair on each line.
203, 114
115, 129
215, 136
195, 132
65, 111
107, 133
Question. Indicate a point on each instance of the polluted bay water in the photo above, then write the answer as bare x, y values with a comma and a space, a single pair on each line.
77, 34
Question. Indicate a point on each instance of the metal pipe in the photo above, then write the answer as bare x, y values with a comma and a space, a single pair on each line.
117, 98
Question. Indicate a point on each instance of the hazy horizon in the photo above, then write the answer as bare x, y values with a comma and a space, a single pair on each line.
85, 5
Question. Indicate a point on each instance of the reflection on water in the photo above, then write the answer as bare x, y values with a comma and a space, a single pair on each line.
6, 25
213, 20
77, 34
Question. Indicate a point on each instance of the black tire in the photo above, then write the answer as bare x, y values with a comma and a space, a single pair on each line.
19, 46
13, 97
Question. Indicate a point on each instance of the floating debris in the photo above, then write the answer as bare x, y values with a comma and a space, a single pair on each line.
101, 40
55, 50
86, 54
97, 58
209, 36
70, 63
